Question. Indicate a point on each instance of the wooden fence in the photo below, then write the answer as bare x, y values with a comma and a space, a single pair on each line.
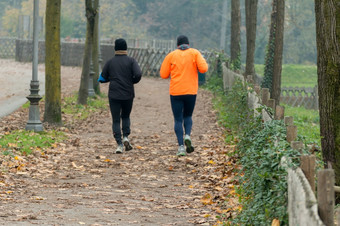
7, 47
149, 53
300, 97
304, 207
151, 60
145, 43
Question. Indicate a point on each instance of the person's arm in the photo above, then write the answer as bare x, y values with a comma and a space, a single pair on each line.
101, 79
165, 67
104, 76
136, 72
202, 65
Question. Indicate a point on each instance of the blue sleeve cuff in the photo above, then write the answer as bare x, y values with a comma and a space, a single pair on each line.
101, 79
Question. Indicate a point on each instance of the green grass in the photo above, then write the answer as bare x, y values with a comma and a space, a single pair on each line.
307, 122
27, 141
70, 106
24, 142
294, 75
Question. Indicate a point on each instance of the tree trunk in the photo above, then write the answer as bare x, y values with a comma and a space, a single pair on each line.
52, 63
84, 82
251, 19
235, 48
269, 61
277, 64
95, 48
328, 46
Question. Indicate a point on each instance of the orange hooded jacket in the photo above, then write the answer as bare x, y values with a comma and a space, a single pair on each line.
182, 67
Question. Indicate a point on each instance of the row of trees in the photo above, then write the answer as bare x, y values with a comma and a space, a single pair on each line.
328, 45
52, 61
202, 20
327, 14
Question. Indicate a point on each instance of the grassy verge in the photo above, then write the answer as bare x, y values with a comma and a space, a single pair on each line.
262, 188
307, 122
295, 75
81, 112
25, 142
22, 142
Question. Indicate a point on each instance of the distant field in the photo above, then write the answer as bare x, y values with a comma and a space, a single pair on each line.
295, 75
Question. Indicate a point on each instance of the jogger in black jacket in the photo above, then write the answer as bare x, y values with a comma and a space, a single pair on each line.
122, 72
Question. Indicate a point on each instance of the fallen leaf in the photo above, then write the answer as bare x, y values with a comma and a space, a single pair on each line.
275, 222
211, 162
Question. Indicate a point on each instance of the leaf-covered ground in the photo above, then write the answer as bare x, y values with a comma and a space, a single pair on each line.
80, 181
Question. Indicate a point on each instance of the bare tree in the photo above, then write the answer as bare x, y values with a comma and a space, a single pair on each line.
52, 63
269, 61
84, 82
251, 20
235, 48
328, 46
95, 48
277, 62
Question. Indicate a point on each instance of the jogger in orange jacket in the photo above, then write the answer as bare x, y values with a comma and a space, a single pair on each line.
182, 66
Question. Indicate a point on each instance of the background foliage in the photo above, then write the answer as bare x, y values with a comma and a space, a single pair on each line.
200, 20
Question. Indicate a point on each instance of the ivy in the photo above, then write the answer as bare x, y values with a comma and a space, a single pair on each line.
263, 185
263, 188
269, 64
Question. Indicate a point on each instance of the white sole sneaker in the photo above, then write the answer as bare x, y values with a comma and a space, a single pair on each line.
127, 144
119, 149
187, 142
181, 151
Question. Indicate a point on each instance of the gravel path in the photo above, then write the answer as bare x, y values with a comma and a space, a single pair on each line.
81, 181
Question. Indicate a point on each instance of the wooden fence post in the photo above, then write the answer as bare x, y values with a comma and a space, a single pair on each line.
289, 120
279, 112
257, 89
296, 145
265, 96
326, 197
316, 93
271, 104
308, 168
291, 133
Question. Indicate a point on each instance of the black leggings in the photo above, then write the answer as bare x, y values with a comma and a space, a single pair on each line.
182, 109
120, 109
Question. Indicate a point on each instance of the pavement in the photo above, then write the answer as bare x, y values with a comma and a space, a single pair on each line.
15, 78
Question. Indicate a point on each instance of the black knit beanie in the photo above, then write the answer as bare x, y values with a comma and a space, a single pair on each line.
120, 44
182, 39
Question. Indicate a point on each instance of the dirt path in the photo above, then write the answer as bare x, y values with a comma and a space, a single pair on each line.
81, 181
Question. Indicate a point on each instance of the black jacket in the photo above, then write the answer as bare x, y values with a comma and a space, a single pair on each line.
122, 71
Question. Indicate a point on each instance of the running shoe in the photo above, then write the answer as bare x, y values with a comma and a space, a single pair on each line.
127, 144
181, 151
187, 142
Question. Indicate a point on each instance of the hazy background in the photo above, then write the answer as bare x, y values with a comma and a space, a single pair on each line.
200, 20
